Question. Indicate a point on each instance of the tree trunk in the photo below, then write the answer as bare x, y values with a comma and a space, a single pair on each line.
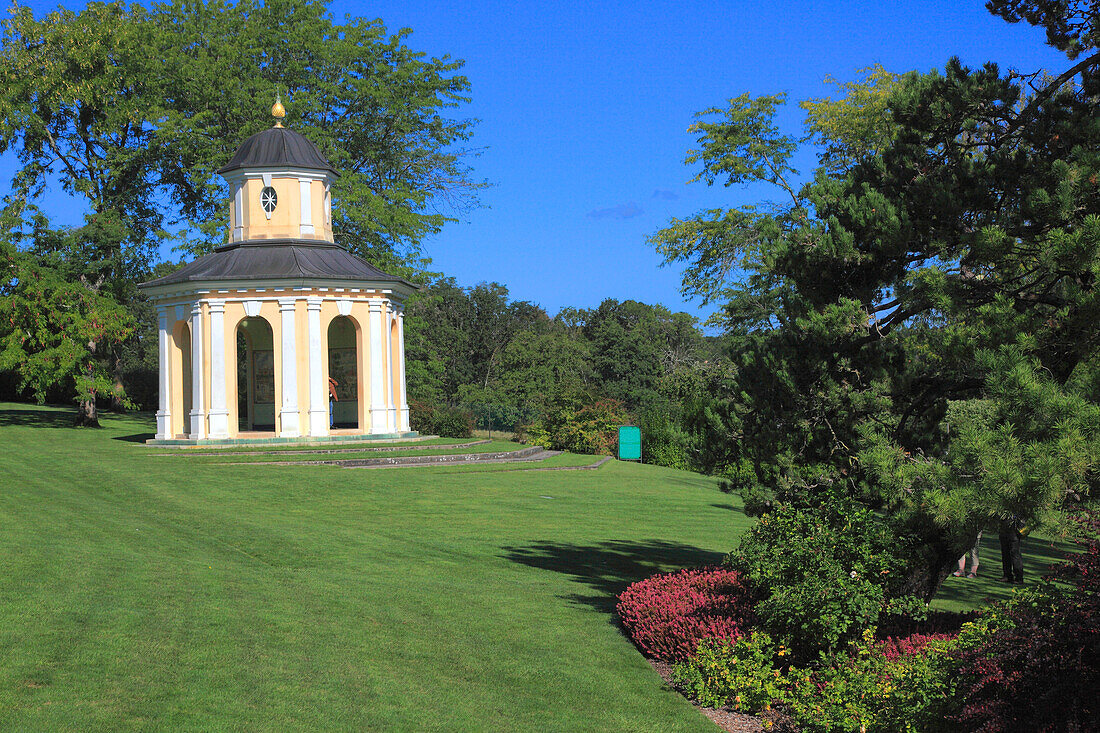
87, 416
937, 560
925, 578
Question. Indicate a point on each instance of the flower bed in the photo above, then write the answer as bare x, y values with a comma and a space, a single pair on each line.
668, 615
896, 647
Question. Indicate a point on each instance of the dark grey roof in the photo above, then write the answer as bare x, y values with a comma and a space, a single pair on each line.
277, 147
277, 259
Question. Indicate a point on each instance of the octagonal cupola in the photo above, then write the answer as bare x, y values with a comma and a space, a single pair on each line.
280, 186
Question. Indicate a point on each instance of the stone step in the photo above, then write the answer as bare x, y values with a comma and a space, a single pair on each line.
252, 440
328, 451
533, 453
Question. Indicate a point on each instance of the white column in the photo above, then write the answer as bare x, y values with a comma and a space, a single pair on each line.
378, 407
198, 414
306, 227
219, 413
403, 404
164, 413
318, 392
289, 413
238, 211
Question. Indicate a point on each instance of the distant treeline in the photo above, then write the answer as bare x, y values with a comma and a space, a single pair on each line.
511, 366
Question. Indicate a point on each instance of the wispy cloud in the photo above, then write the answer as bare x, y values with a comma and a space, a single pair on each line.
665, 194
628, 210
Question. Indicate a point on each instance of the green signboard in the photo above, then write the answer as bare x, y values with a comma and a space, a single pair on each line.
630, 443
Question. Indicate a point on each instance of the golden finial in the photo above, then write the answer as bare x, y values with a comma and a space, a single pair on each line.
278, 111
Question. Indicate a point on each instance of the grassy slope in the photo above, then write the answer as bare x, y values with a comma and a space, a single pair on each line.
139, 593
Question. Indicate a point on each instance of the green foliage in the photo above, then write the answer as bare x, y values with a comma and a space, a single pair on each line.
858, 124
744, 145
823, 573
452, 422
456, 339
76, 101
861, 691
51, 329
133, 110
741, 674
664, 440
580, 423
917, 326
444, 421
538, 363
1035, 662
636, 346
857, 690
1070, 24
139, 107
508, 363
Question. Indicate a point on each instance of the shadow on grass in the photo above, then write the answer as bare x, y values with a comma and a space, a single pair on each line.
41, 418
64, 416
135, 438
962, 594
609, 567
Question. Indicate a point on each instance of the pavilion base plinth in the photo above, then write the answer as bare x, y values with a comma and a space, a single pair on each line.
318, 423
164, 425
259, 438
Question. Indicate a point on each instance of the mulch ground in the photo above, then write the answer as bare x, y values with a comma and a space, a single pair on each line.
727, 719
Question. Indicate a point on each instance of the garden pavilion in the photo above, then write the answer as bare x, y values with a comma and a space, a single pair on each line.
253, 334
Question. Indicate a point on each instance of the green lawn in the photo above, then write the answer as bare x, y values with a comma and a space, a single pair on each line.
140, 592
967, 594
148, 593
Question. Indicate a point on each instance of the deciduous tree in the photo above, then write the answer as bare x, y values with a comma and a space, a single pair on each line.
131, 110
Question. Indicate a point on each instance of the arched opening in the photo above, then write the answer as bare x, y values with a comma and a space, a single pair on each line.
343, 374
395, 372
255, 376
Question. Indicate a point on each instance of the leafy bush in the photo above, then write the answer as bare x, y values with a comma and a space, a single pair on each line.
822, 575
448, 422
667, 615
579, 422
1034, 664
862, 689
738, 673
903, 685
664, 442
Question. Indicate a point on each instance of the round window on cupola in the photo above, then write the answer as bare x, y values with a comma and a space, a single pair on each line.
268, 200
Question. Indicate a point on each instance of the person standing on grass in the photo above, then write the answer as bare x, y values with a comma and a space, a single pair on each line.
1012, 562
973, 561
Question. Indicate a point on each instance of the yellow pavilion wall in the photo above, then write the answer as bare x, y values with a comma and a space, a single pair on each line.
235, 313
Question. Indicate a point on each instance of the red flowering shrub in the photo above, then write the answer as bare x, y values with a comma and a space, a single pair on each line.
1038, 668
667, 615
894, 648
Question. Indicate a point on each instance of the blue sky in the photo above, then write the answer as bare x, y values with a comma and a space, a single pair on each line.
584, 109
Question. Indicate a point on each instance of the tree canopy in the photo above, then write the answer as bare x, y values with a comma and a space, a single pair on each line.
916, 325
131, 110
